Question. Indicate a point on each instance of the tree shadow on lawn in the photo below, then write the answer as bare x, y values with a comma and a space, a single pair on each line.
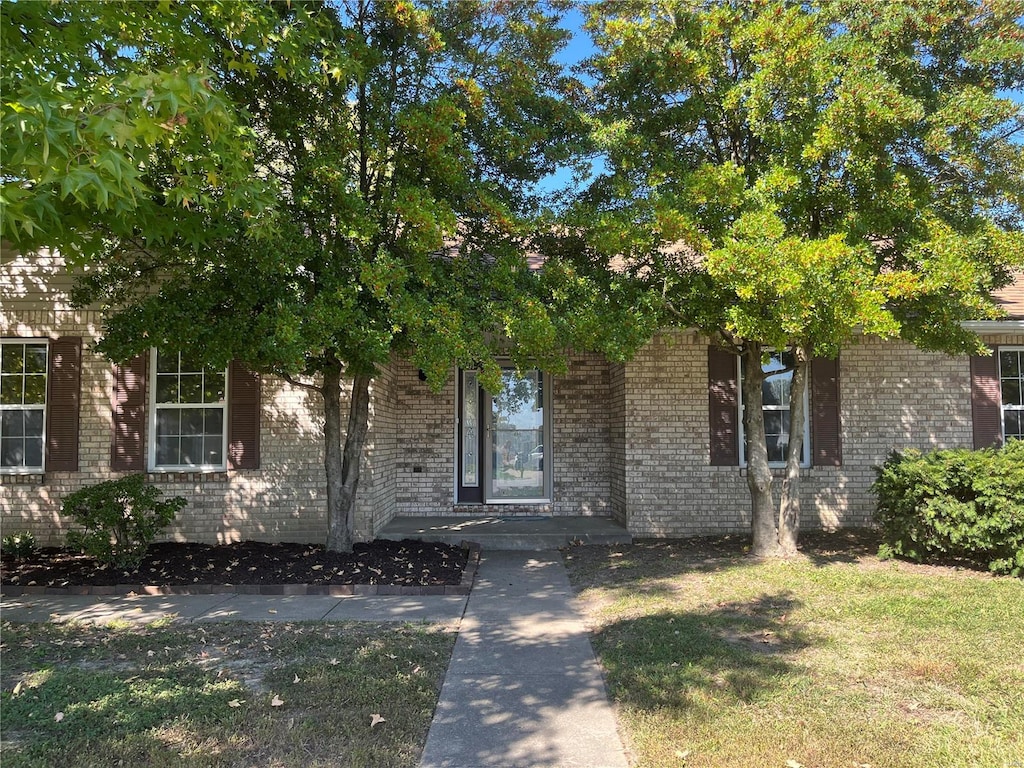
622, 565
734, 652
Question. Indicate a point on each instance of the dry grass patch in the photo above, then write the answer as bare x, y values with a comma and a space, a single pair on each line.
281, 694
833, 659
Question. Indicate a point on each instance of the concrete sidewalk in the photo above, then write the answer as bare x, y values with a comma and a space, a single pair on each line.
523, 687
444, 609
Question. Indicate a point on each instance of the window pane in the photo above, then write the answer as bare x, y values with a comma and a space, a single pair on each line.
777, 445
1013, 424
167, 388
214, 421
775, 389
12, 424
167, 451
213, 389
10, 390
190, 363
773, 422
34, 423
33, 452
35, 358
168, 421
35, 389
1012, 392
191, 450
191, 388
214, 450
166, 362
191, 421
1009, 363
13, 358
517, 431
12, 452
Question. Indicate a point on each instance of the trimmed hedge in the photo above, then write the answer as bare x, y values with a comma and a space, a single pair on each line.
954, 504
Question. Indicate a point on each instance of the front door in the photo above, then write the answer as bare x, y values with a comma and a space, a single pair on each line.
504, 439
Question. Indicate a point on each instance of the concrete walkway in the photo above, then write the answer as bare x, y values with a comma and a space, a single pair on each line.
204, 608
523, 688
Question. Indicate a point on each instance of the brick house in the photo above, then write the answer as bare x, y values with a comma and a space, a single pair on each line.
654, 444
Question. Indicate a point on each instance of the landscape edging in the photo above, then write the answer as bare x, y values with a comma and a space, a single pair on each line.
330, 590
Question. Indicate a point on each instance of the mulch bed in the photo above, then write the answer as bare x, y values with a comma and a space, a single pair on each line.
378, 567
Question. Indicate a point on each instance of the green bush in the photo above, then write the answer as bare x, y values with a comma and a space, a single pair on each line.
18, 545
954, 504
120, 517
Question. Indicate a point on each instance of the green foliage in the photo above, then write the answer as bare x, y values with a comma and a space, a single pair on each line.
114, 124
18, 545
786, 173
954, 503
120, 519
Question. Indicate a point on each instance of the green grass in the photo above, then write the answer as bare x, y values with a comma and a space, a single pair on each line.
176, 695
834, 659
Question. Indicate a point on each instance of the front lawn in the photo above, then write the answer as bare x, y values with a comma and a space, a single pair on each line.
835, 659
219, 695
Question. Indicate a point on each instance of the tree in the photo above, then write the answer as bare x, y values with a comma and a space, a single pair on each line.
783, 175
403, 140
114, 124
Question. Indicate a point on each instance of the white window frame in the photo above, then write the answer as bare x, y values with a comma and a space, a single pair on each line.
151, 424
1004, 407
34, 469
805, 458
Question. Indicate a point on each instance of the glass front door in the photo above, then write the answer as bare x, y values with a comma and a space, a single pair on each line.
514, 441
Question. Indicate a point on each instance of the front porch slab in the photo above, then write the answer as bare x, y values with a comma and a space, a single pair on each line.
509, 533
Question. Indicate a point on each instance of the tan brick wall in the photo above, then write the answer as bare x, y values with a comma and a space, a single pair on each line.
628, 440
281, 501
892, 395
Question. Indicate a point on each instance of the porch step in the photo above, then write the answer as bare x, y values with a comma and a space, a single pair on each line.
513, 532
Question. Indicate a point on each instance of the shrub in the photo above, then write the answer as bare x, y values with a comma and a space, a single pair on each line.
120, 517
18, 545
954, 503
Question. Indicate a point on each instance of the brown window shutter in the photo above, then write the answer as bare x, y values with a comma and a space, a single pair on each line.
243, 417
723, 403
826, 432
986, 409
64, 382
128, 441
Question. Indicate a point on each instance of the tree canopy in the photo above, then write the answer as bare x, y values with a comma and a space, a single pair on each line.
399, 142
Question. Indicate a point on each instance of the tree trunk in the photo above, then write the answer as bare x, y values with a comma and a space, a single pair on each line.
759, 474
342, 464
789, 504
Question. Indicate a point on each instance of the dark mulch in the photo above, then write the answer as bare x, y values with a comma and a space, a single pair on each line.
399, 563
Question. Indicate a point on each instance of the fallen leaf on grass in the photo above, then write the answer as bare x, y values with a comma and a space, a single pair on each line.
276, 702
58, 717
235, 703
295, 680
150, 654
375, 719
334, 662
17, 688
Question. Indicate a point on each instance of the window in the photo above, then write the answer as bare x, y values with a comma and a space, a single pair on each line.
1011, 389
775, 393
187, 413
23, 368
